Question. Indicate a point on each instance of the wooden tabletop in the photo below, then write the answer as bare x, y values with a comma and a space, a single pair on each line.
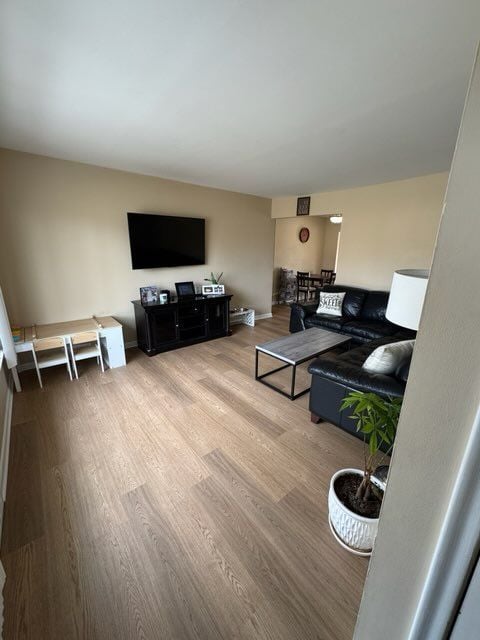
67, 328
303, 345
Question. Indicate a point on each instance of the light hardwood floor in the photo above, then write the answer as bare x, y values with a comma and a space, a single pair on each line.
175, 498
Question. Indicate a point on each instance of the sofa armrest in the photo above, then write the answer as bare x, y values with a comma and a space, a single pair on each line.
332, 368
298, 313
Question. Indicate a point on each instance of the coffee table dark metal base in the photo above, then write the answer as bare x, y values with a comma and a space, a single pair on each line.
292, 395
296, 349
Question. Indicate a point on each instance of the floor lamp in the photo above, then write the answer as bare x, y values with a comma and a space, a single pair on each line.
406, 298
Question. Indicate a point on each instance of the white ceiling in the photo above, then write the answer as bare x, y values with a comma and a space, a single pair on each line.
271, 97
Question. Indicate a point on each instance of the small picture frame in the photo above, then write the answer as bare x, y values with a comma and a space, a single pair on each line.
185, 289
303, 206
148, 294
218, 289
207, 289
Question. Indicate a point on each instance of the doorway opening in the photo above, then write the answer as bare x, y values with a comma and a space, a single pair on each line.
297, 250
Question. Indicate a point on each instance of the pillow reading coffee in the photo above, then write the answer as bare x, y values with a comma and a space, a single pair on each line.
388, 357
331, 303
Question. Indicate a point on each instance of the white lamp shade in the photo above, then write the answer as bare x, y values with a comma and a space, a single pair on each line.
406, 297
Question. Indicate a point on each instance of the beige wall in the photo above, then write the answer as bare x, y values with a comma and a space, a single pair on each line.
330, 244
442, 397
64, 242
385, 227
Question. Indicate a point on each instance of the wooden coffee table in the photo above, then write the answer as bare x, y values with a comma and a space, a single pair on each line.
296, 349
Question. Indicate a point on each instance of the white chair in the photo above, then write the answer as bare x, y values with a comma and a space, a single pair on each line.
50, 352
86, 345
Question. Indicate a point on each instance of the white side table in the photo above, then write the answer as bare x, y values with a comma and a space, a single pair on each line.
243, 316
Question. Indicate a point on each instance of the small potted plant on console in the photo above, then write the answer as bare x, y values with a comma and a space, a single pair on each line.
355, 496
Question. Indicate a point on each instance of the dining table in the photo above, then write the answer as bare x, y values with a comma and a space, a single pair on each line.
316, 279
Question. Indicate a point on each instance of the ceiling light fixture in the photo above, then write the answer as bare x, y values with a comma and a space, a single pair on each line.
336, 219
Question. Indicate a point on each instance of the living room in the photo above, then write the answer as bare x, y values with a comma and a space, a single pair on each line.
175, 496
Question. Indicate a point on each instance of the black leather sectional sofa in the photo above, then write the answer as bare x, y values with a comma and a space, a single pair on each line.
335, 374
363, 316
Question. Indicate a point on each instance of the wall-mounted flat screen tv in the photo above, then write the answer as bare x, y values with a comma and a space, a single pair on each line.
165, 241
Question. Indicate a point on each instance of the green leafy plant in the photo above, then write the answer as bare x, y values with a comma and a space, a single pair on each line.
214, 279
377, 419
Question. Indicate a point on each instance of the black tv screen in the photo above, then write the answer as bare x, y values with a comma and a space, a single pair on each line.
165, 241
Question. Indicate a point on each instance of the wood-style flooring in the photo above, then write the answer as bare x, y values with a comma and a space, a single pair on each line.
175, 499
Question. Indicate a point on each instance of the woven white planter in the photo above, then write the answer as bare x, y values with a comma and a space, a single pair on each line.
355, 533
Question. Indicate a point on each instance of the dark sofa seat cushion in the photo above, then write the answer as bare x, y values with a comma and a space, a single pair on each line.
334, 323
369, 329
346, 369
353, 301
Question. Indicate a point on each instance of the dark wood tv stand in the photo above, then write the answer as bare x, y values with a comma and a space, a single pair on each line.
175, 324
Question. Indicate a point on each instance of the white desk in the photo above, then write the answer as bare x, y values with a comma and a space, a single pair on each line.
110, 331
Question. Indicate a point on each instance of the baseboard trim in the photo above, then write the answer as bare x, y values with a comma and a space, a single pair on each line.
131, 345
263, 316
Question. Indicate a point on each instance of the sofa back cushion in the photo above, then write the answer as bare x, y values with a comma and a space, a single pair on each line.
353, 301
375, 306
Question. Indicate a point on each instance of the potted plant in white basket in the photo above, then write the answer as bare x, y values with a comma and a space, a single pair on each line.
355, 496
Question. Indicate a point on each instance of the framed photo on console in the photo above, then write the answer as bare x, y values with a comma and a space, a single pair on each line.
148, 294
213, 289
185, 289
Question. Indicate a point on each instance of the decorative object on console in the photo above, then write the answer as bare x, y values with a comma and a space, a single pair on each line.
303, 206
214, 279
164, 296
148, 294
185, 289
219, 289
388, 357
355, 496
331, 303
406, 298
304, 234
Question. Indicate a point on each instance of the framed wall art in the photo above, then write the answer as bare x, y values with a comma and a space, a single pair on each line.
303, 206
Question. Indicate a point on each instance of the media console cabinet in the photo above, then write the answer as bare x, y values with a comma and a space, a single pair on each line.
175, 324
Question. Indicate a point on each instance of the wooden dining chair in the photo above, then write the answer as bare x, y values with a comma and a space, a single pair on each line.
303, 285
86, 345
50, 352
327, 274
